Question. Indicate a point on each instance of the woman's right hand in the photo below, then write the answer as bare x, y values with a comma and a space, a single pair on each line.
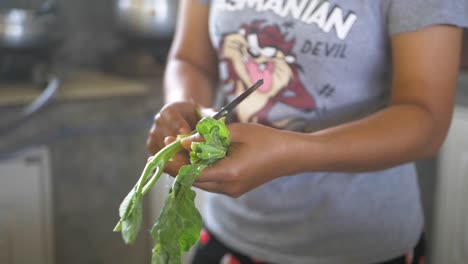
172, 120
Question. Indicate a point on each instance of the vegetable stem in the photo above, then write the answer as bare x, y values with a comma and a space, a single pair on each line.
118, 227
153, 179
156, 164
179, 224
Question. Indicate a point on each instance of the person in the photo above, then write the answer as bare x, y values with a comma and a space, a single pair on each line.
321, 165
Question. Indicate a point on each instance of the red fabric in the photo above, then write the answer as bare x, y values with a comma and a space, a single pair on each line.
421, 260
409, 258
204, 237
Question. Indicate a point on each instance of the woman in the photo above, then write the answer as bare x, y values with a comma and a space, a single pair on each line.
320, 169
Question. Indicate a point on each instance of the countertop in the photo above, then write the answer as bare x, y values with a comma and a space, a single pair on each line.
80, 85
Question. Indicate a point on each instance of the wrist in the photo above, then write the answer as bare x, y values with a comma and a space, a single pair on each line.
299, 153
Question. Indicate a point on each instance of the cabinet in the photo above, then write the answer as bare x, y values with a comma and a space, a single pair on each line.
450, 243
25, 209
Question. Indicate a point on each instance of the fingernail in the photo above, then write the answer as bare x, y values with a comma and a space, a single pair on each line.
186, 142
168, 140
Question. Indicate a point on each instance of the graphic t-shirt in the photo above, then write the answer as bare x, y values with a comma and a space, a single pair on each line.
323, 63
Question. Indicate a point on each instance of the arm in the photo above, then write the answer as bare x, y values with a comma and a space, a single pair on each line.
189, 78
191, 72
413, 126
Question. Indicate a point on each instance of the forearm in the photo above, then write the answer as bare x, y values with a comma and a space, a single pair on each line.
259, 154
184, 81
415, 123
411, 127
398, 134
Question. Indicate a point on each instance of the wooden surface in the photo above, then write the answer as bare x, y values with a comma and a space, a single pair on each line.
78, 86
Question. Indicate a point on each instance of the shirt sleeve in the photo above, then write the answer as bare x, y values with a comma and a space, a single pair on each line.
411, 15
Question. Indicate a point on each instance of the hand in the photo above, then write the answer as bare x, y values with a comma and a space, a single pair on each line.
173, 119
256, 156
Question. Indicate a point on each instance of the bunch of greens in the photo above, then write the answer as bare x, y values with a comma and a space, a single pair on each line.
179, 224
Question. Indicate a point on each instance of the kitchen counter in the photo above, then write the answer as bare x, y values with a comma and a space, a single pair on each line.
79, 85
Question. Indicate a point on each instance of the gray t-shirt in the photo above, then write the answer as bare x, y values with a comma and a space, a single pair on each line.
323, 63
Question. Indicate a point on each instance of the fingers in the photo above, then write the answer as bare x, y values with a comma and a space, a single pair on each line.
155, 140
178, 160
169, 140
169, 122
214, 187
223, 170
237, 135
187, 142
220, 187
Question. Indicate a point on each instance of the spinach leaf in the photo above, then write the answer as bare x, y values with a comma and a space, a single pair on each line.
217, 140
131, 223
179, 224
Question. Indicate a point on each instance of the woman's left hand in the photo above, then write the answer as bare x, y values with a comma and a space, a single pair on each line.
256, 156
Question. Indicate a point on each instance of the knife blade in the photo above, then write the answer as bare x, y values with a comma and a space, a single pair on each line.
231, 105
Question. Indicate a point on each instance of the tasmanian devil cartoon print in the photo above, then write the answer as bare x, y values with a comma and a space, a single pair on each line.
259, 51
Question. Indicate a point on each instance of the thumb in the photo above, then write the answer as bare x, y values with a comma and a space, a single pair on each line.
187, 141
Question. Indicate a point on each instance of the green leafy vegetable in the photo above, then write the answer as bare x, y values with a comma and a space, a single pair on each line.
179, 224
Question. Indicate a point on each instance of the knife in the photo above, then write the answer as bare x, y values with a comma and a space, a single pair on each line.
231, 105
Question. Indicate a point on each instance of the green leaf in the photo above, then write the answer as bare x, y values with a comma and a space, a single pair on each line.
126, 205
131, 215
160, 256
214, 132
217, 140
186, 177
208, 154
179, 224
125, 209
131, 223
131, 208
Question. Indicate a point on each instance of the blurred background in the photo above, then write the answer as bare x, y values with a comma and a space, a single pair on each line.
80, 82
